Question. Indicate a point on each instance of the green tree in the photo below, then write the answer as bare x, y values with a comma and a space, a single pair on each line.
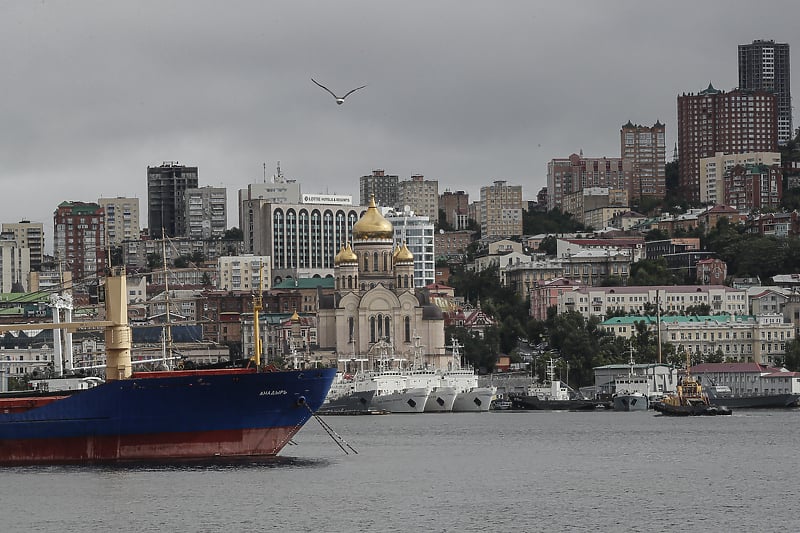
233, 234
197, 257
442, 222
715, 357
548, 245
656, 235
555, 221
699, 310
117, 257
792, 359
651, 272
582, 344
154, 261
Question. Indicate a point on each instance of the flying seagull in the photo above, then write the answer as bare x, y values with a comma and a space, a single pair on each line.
339, 99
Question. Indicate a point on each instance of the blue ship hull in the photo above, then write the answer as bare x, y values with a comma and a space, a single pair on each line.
164, 415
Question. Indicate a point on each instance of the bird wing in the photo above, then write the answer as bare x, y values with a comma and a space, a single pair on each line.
319, 84
352, 91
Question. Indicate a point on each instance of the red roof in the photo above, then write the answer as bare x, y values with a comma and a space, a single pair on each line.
606, 242
732, 367
437, 286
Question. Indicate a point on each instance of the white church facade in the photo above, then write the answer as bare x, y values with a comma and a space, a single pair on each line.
375, 301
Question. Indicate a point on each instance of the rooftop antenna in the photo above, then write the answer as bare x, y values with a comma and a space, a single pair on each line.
278, 178
265, 172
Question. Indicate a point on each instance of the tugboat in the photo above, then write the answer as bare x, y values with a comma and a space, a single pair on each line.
689, 400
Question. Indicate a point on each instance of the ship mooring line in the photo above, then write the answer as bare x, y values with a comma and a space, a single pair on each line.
338, 439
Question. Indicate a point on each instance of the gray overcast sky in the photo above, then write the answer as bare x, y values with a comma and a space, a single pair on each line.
464, 92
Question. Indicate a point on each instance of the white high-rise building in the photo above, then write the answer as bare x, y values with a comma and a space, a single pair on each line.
15, 267
122, 219
278, 190
417, 233
29, 235
206, 212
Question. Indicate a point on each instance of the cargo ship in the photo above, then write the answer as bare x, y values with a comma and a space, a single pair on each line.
158, 416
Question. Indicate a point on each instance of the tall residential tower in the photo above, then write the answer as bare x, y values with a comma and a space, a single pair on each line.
165, 199
381, 185
714, 121
764, 65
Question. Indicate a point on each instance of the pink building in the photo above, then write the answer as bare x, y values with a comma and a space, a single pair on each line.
545, 295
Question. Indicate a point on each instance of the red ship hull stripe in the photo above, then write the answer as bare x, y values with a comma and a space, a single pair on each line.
163, 446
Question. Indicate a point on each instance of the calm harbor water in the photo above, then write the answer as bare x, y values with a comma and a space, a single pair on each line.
504, 471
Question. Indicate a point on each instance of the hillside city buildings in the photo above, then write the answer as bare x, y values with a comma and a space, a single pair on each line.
714, 169
338, 275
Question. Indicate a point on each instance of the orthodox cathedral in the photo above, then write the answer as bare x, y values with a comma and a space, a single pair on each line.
375, 301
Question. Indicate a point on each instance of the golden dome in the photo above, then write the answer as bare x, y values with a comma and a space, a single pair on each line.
338, 257
403, 254
295, 317
348, 255
372, 225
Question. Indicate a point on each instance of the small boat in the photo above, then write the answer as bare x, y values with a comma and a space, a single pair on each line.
631, 391
499, 404
689, 400
630, 401
551, 396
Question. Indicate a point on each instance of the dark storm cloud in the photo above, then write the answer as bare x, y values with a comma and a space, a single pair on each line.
462, 92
